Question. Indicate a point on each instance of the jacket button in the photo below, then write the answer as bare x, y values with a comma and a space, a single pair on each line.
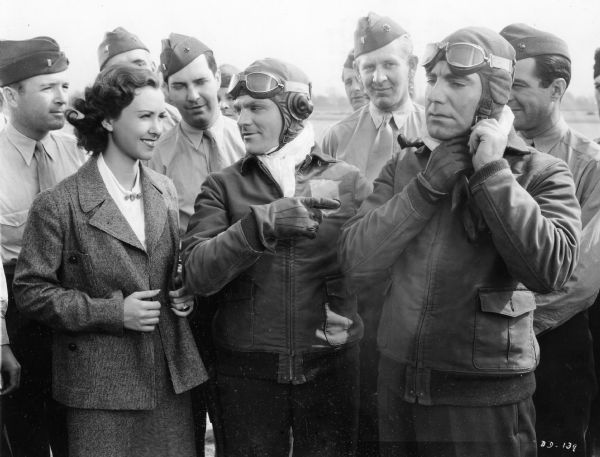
73, 259
72, 347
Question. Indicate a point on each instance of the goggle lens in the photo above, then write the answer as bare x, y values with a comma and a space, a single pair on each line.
261, 82
464, 56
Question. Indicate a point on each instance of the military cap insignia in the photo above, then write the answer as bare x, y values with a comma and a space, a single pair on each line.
163, 66
186, 49
106, 49
521, 46
362, 39
49, 62
386, 27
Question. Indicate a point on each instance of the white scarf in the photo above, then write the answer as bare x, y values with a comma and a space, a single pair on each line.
282, 163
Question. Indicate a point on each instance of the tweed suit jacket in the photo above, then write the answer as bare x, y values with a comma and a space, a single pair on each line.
80, 258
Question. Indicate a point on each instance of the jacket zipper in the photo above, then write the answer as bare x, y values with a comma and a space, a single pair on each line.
432, 258
289, 310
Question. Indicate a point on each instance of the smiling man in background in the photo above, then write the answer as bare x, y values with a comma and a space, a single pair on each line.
34, 157
565, 377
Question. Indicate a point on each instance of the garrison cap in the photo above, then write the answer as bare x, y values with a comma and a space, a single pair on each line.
23, 59
178, 51
374, 32
531, 42
349, 60
227, 71
597, 63
117, 42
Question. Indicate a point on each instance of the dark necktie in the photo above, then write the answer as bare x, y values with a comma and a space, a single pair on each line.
45, 171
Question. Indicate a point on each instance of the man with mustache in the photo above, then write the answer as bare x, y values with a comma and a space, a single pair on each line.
203, 142
465, 227
34, 157
565, 377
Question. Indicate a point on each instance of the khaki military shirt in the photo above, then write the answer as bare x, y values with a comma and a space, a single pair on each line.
582, 156
19, 180
188, 157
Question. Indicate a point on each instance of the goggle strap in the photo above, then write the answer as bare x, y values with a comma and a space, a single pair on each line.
294, 86
501, 63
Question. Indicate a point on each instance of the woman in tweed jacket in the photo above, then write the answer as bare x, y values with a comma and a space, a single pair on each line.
100, 250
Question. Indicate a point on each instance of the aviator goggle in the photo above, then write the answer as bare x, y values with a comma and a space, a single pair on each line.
465, 57
264, 85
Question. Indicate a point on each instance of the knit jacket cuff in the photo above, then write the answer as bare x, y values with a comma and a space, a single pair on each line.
486, 171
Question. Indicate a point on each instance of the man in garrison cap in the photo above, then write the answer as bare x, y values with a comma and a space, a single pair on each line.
384, 61
565, 377
121, 47
465, 228
225, 99
203, 142
352, 85
34, 157
367, 139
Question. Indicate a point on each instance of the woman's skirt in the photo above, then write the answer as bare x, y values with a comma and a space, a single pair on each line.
167, 430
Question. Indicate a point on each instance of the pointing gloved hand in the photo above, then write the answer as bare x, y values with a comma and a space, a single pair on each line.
446, 163
290, 218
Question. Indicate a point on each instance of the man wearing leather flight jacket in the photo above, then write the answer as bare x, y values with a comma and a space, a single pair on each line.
466, 229
262, 243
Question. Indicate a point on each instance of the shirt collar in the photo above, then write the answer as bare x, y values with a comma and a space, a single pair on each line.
399, 115
26, 145
216, 130
545, 141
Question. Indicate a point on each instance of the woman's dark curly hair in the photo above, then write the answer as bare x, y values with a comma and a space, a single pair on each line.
112, 91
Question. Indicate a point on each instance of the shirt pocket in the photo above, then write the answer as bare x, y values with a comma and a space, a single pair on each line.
11, 229
504, 336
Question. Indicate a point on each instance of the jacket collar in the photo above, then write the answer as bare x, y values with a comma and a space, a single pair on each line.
108, 218
515, 145
315, 156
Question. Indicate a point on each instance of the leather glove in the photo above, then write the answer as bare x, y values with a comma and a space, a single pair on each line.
446, 164
290, 218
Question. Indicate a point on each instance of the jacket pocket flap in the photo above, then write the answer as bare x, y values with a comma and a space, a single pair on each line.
511, 303
335, 286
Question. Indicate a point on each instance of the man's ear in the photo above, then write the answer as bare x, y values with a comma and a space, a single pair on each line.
10, 96
413, 61
165, 89
355, 66
558, 88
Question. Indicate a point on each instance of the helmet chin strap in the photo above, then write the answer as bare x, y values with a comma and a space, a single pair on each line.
486, 104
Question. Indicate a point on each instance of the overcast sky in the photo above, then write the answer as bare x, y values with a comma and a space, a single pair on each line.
314, 34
